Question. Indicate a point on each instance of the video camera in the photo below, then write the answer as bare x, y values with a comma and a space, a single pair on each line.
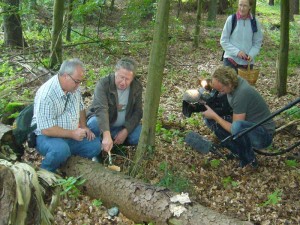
194, 100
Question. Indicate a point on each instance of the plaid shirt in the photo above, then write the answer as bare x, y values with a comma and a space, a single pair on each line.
52, 107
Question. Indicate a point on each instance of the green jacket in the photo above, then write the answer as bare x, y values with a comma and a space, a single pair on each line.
104, 105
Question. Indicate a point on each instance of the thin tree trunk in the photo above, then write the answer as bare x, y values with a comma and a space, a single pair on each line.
253, 9
281, 78
271, 2
69, 16
138, 201
212, 10
198, 22
296, 9
153, 88
57, 27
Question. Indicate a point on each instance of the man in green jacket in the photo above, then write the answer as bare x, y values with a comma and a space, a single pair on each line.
116, 110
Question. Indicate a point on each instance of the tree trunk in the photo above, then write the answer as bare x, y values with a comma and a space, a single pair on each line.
112, 5
69, 16
138, 201
198, 20
13, 34
281, 77
271, 2
296, 9
223, 6
57, 27
153, 88
253, 8
291, 12
212, 10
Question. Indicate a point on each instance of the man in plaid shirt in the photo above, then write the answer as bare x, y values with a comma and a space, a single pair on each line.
60, 117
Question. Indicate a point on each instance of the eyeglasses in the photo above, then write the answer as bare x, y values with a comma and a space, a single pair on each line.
75, 81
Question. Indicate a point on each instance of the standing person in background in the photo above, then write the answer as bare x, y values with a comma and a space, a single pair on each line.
241, 37
116, 110
61, 120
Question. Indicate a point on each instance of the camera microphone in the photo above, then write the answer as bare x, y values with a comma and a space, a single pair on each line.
199, 143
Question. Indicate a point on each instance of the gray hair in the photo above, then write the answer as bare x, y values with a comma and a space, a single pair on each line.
69, 66
126, 63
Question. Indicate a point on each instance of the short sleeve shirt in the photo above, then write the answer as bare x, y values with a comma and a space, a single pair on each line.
52, 107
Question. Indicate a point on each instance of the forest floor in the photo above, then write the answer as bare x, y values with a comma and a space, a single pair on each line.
267, 195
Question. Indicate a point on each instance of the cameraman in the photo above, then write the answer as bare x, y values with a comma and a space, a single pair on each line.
249, 108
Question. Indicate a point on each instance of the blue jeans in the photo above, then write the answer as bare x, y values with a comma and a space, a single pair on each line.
57, 150
132, 139
258, 138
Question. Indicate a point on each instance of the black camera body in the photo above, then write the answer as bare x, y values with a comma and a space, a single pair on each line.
195, 100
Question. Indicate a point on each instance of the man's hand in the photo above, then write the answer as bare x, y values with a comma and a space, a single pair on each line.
79, 134
209, 113
89, 134
107, 142
121, 136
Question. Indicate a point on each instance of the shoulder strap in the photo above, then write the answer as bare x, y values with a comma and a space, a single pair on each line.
253, 24
233, 22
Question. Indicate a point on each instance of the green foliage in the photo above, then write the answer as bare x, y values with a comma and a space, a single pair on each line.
273, 198
70, 185
6, 69
97, 202
229, 181
193, 121
291, 163
215, 163
137, 11
171, 180
167, 135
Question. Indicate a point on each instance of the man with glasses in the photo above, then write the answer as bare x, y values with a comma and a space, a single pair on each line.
116, 110
61, 120
249, 108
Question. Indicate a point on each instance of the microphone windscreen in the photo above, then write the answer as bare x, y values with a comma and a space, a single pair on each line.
198, 142
191, 95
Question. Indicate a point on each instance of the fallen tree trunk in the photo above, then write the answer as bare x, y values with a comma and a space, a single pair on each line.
138, 201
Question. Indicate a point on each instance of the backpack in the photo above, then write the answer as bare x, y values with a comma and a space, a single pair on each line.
24, 131
233, 25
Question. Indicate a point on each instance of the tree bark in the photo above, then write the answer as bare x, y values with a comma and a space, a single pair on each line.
198, 22
212, 10
281, 76
13, 34
57, 27
153, 88
138, 201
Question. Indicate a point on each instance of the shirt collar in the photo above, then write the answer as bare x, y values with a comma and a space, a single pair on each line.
239, 17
